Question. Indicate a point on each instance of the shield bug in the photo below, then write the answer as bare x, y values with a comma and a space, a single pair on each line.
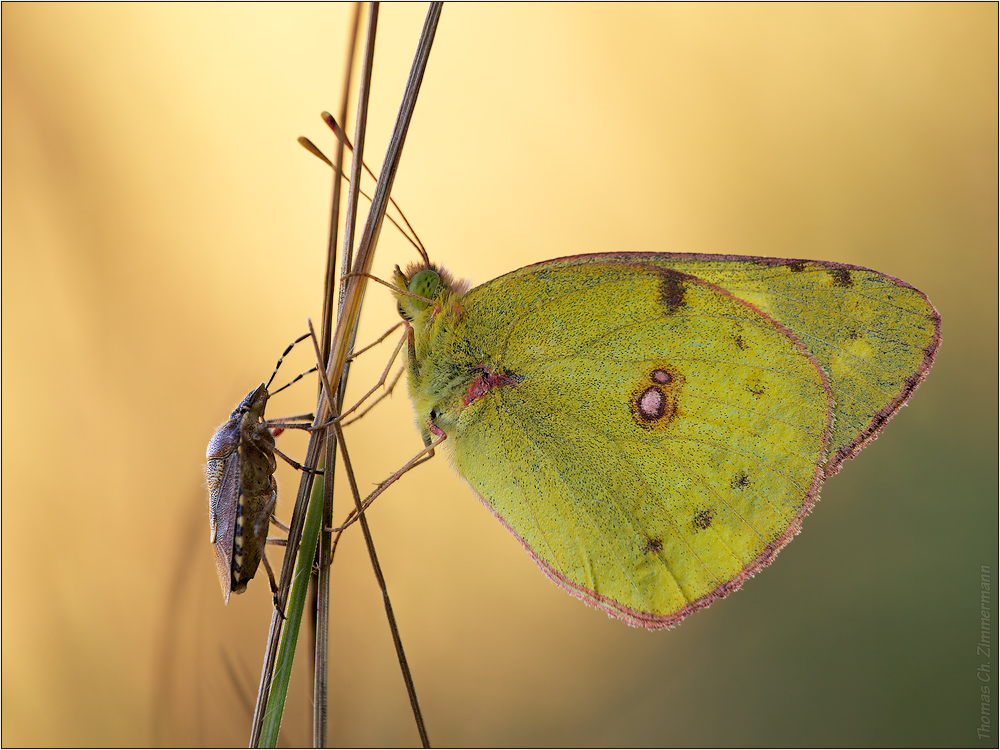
241, 487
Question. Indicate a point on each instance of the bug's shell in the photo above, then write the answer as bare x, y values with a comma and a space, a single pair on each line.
241, 491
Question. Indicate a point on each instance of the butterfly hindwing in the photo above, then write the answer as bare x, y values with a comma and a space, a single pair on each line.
874, 336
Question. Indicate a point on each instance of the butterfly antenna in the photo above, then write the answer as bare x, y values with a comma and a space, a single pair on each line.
313, 149
339, 132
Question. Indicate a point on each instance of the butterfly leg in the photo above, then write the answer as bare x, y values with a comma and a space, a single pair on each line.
418, 459
381, 382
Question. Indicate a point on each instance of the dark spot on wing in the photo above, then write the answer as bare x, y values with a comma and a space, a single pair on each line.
653, 545
673, 288
703, 518
797, 266
655, 401
841, 277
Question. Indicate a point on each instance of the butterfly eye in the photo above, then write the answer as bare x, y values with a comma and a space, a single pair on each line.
426, 284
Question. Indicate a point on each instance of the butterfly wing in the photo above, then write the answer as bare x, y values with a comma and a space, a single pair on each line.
651, 439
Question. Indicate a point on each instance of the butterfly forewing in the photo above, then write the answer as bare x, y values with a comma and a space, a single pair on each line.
643, 459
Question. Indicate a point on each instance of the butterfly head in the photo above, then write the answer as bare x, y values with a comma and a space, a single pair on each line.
422, 286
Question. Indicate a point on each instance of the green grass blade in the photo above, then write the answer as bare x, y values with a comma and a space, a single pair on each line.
293, 613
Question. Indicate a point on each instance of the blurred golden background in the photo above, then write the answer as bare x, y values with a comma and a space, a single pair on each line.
163, 240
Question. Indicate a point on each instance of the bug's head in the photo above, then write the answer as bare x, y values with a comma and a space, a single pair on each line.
254, 403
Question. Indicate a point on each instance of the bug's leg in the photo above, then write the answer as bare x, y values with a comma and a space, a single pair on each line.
260, 531
295, 464
274, 584
278, 541
292, 421
277, 426
280, 525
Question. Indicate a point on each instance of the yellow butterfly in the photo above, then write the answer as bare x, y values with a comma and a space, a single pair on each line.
654, 427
